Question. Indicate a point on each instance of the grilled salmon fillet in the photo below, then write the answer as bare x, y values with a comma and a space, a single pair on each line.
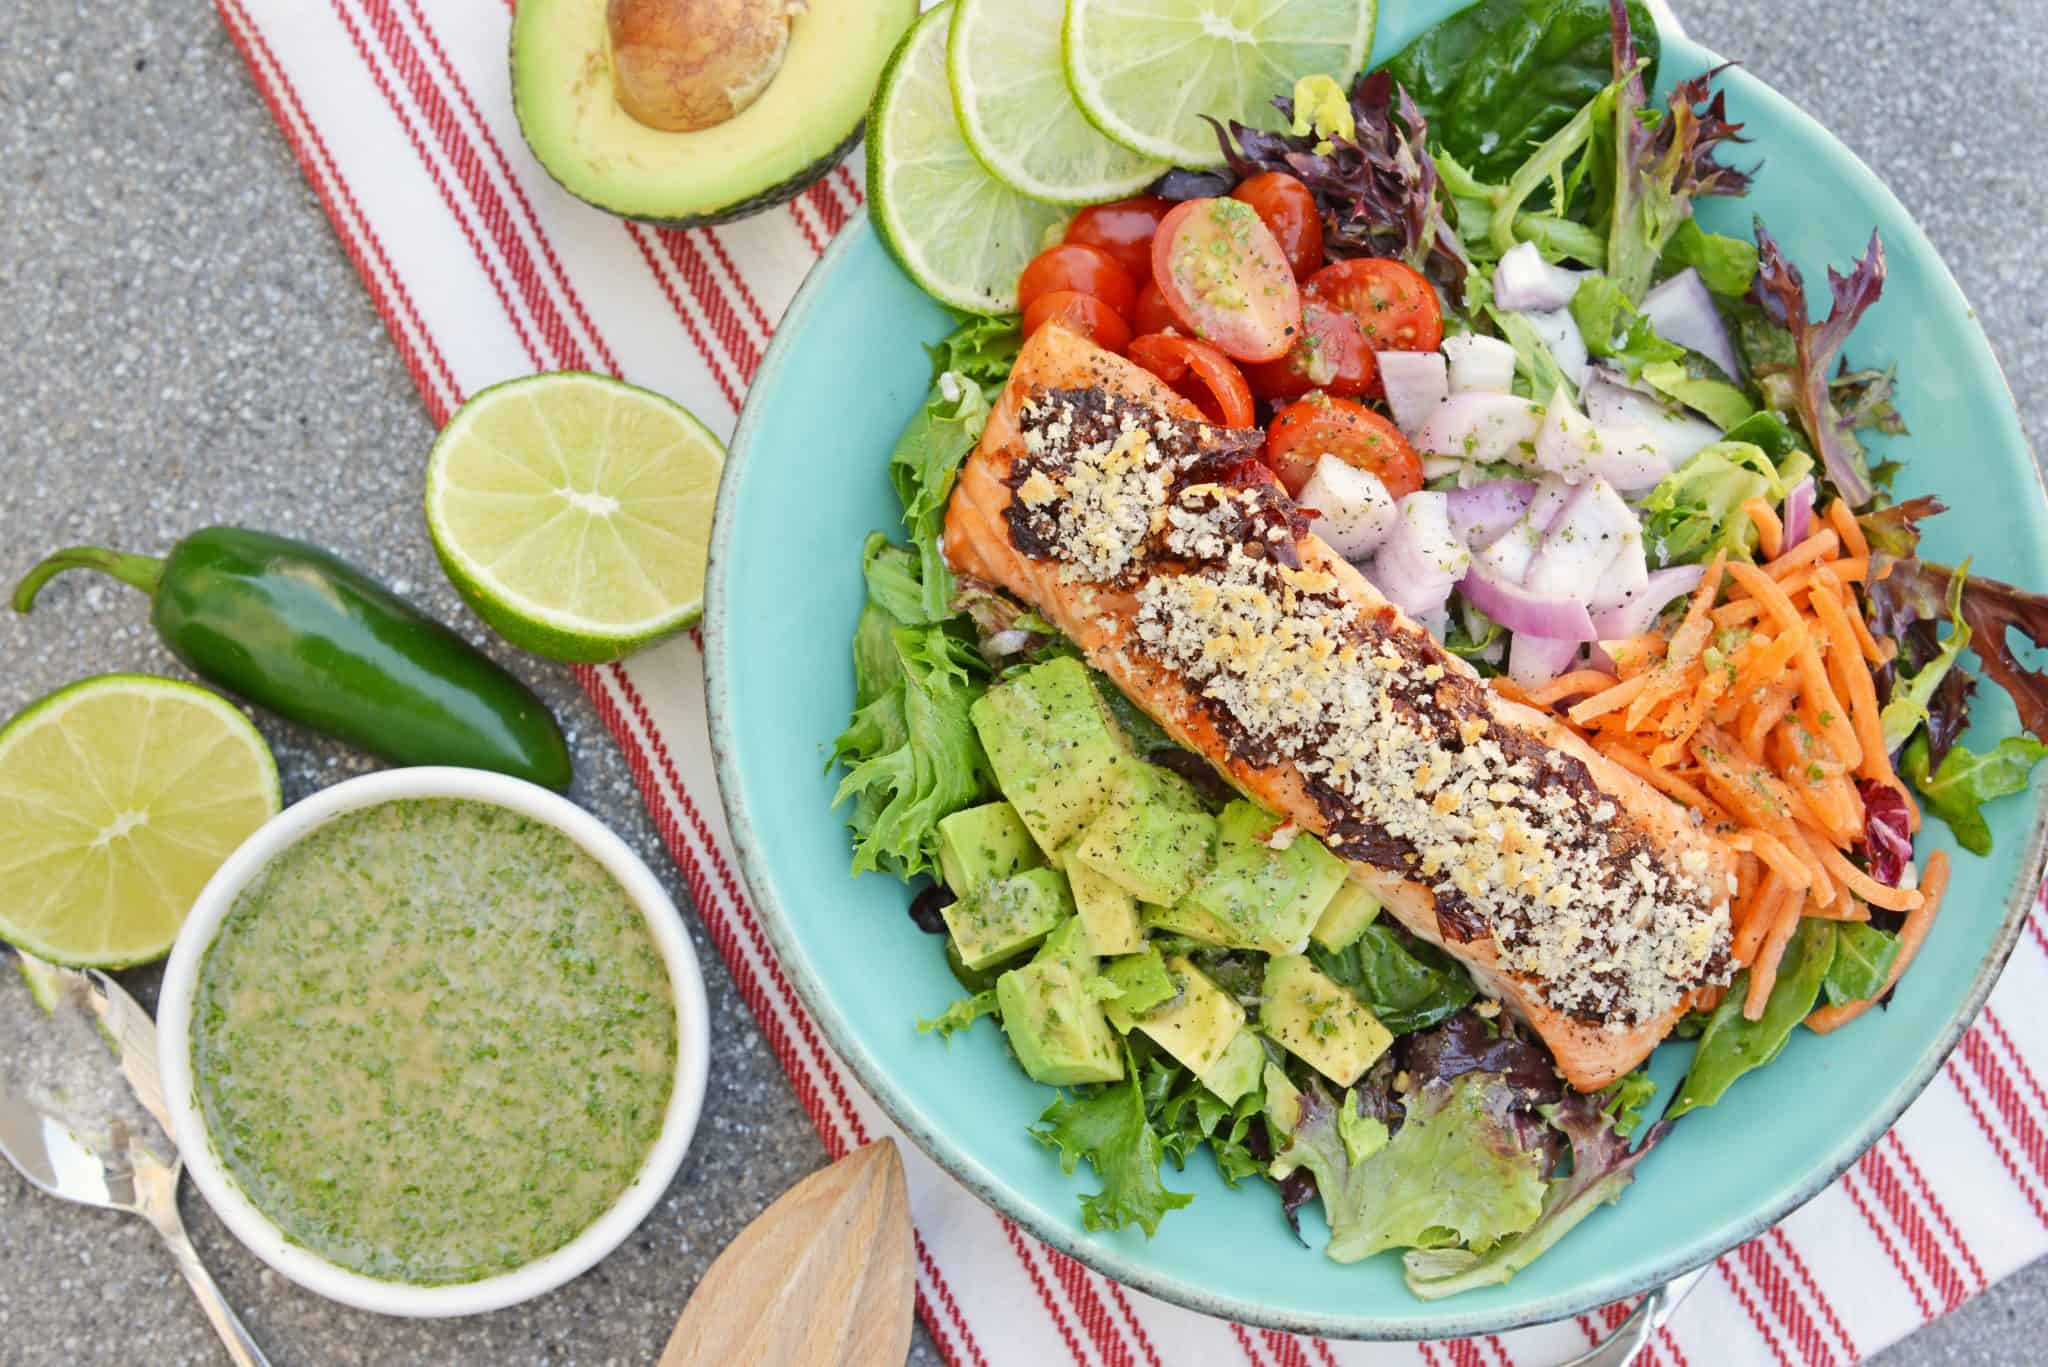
1580, 897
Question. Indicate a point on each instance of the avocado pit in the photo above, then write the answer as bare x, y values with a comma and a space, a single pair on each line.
685, 65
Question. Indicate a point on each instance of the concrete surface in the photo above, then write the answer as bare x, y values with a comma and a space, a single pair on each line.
185, 343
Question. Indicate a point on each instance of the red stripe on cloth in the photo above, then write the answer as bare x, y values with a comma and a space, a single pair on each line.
1783, 1300
1463, 1353
852, 185
1587, 1327
2005, 1158
1820, 1297
416, 347
1670, 1342
1727, 1269
1116, 1294
952, 1308
1940, 1210
681, 249
826, 201
1045, 1295
1286, 1349
1244, 1341
1891, 1193
739, 281
1428, 1352
803, 225
1323, 1353
487, 205
2019, 1059
440, 183
1990, 1069
1500, 1350
1095, 1318
639, 236
1891, 1250
511, 181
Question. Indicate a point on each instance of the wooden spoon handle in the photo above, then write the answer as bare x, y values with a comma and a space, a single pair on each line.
824, 1276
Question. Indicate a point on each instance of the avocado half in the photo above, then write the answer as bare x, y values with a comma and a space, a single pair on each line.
803, 122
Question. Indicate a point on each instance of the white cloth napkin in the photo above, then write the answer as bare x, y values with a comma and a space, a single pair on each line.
400, 116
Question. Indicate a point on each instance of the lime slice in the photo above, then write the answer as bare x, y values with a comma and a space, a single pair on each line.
1010, 92
960, 233
119, 797
573, 512
1146, 71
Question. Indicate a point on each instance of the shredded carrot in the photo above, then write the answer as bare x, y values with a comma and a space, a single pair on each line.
1588, 681
1912, 935
1782, 862
1819, 546
1666, 782
1864, 886
1763, 974
1770, 710
1637, 653
1508, 688
1850, 669
1600, 704
1762, 915
1770, 533
1843, 909
1845, 525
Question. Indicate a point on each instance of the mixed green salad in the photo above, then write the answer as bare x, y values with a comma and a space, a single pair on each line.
1600, 451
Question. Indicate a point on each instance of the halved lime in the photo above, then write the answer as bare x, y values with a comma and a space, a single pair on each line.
573, 512
959, 232
119, 797
1010, 92
1146, 71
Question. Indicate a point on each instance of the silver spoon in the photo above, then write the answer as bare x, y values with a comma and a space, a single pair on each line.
135, 1181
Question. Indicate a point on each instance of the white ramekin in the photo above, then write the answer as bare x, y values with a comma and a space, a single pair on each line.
255, 1229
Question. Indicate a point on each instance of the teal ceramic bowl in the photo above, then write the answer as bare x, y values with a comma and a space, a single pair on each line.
805, 484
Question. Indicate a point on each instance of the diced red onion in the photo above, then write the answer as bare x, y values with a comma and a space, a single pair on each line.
1482, 428
1550, 499
1420, 561
1525, 282
1682, 310
1481, 513
1479, 365
1416, 382
1645, 437
1567, 443
1535, 660
1634, 617
1561, 334
1799, 511
1581, 545
1521, 611
1627, 575
1356, 511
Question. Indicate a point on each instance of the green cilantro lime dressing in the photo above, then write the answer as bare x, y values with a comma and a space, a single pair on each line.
433, 1041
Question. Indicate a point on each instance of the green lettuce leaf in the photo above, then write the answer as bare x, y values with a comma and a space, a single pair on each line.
1733, 1045
911, 752
981, 349
1189, 1115
1454, 1173
1726, 264
1912, 696
1109, 1128
1863, 959
1697, 509
1623, 1100
922, 468
1966, 780
1722, 403
961, 1014
1409, 985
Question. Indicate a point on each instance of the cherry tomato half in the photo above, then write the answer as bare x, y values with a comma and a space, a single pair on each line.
1331, 355
1288, 210
1304, 432
1152, 314
1392, 303
1083, 313
1124, 229
1199, 373
1226, 279
1073, 266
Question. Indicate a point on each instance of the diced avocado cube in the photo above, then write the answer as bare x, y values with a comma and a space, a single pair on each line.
1054, 747
1269, 898
1184, 920
1283, 1102
1006, 916
1109, 912
1068, 944
1145, 841
1237, 1072
1319, 1021
981, 844
1056, 1027
1142, 981
1346, 917
1197, 1026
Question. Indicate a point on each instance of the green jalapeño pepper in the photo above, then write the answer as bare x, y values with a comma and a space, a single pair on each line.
312, 638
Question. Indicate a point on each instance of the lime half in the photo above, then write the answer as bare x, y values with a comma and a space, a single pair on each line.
119, 797
1010, 92
573, 512
957, 231
1146, 71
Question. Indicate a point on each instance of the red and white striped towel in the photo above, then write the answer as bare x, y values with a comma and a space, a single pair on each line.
483, 269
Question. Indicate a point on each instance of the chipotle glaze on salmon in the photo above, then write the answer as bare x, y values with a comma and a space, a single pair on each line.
1581, 897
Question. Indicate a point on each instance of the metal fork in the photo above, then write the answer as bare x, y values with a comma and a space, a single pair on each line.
132, 1180
1627, 1342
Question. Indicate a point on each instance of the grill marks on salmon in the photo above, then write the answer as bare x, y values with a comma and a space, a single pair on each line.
1585, 900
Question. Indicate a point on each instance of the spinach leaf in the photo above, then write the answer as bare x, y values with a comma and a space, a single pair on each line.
1733, 1045
1506, 74
1966, 780
1863, 959
1408, 985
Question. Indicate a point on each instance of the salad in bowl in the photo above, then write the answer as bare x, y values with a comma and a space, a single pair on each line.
1393, 624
